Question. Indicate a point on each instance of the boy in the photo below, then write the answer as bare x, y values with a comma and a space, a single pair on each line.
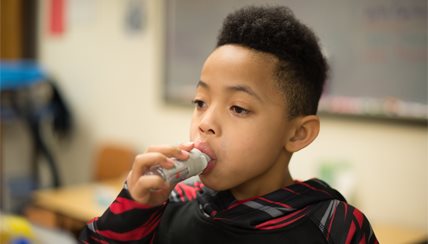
255, 105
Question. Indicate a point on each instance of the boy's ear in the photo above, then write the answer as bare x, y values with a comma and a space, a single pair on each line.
304, 131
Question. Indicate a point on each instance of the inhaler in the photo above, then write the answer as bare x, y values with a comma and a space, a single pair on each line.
194, 165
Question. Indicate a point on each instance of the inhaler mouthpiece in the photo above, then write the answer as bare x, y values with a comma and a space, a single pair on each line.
194, 165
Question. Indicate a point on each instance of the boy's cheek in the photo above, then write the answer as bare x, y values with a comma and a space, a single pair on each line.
192, 130
192, 133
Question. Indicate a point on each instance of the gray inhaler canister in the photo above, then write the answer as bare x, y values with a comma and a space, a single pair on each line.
194, 165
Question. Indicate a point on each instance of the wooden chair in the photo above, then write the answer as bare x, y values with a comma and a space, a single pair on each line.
113, 161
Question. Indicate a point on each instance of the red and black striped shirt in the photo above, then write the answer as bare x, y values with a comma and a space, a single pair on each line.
305, 212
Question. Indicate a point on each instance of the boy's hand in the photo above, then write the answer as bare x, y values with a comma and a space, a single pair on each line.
141, 186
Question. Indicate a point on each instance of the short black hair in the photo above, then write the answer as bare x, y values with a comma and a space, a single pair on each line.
302, 69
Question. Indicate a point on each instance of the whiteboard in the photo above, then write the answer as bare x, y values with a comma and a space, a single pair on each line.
377, 51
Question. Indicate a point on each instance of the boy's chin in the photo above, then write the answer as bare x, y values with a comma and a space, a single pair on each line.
212, 184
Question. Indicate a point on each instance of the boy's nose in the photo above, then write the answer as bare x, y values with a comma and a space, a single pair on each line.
206, 130
208, 125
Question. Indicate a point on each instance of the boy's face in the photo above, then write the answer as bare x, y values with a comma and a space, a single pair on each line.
240, 120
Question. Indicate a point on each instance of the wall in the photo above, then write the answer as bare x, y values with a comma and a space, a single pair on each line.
113, 82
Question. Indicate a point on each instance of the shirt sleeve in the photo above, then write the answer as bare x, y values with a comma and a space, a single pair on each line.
125, 221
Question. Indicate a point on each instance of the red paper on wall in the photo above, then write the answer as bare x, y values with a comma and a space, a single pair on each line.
56, 17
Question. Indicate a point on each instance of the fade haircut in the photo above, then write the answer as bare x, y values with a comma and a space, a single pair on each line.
301, 70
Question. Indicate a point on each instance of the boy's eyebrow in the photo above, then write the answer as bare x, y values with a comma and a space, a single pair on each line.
240, 88
245, 89
203, 84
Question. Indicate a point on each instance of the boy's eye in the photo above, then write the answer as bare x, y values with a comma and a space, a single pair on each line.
198, 103
239, 110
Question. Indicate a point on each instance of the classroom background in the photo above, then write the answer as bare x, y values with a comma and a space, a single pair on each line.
107, 60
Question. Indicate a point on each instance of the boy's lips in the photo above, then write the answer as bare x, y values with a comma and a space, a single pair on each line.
205, 148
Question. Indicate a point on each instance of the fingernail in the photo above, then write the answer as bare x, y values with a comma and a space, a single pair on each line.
188, 144
184, 152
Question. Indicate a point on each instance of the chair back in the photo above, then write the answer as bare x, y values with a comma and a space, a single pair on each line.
113, 161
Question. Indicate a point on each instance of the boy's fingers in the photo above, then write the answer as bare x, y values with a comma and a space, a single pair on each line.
158, 155
148, 185
143, 162
169, 151
179, 152
185, 149
187, 146
146, 188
